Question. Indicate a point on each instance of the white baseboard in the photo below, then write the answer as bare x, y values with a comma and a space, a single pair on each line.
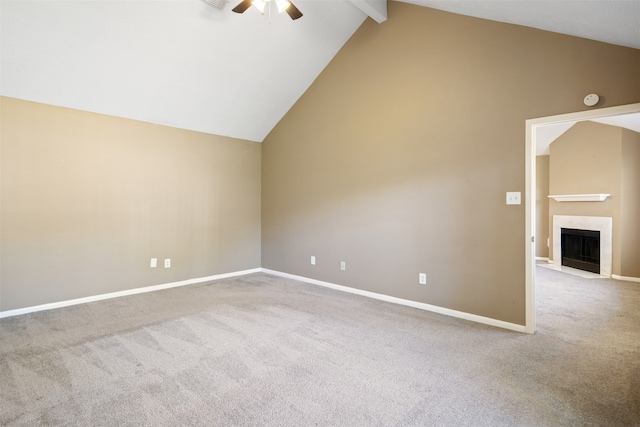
49, 306
542, 258
628, 279
382, 297
409, 303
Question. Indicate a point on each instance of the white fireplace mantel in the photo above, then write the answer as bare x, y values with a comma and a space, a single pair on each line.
579, 197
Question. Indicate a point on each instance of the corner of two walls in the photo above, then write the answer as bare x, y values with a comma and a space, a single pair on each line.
592, 158
397, 158
88, 200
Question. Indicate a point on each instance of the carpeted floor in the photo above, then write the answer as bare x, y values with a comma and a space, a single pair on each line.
262, 350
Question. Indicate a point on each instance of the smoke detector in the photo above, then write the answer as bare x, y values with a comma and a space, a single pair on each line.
591, 100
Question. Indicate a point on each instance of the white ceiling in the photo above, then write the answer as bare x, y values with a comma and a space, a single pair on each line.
611, 21
186, 64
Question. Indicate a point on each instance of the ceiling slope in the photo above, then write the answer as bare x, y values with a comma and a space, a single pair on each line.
609, 21
186, 64
177, 63
545, 135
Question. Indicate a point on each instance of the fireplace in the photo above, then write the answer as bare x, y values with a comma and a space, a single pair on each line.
581, 249
603, 225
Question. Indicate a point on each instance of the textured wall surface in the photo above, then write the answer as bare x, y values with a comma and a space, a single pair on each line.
88, 200
397, 159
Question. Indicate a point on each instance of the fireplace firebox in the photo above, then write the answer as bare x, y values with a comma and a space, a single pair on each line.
581, 249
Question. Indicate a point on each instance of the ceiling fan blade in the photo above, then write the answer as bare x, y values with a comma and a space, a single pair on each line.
244, 5
293, 12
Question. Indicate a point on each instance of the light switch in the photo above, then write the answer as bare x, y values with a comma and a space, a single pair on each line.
513, 197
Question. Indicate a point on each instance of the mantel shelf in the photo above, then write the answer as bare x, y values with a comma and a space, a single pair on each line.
580, 197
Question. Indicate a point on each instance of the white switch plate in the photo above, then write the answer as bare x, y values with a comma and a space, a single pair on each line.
167, 263
343, 265
154, 263
513, 197
422, 278
313, 260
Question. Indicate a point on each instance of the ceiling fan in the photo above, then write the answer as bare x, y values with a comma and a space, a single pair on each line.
283, 6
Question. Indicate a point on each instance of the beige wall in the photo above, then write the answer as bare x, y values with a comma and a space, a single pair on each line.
542, 206
88, 200
593, 158
630, 245
397, 159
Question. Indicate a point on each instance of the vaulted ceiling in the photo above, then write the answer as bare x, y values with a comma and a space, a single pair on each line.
186, 64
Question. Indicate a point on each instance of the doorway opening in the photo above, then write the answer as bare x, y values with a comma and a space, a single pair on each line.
533, 126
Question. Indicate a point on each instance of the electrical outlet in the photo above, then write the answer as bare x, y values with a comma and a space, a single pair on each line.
343, 265
513, 197
167, 263
313, 260
154, 263
422, 278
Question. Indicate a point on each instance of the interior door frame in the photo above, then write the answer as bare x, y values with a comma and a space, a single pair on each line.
530, 191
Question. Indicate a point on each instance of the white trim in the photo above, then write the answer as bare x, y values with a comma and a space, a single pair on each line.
375, 9
579, 197
628, 279
529, 227
542, 258
530, 186
93, 298
415, 304
408, 303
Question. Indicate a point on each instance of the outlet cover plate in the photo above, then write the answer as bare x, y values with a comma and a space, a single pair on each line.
513, 198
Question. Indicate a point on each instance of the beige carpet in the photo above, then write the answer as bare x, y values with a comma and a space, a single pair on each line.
261, 350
